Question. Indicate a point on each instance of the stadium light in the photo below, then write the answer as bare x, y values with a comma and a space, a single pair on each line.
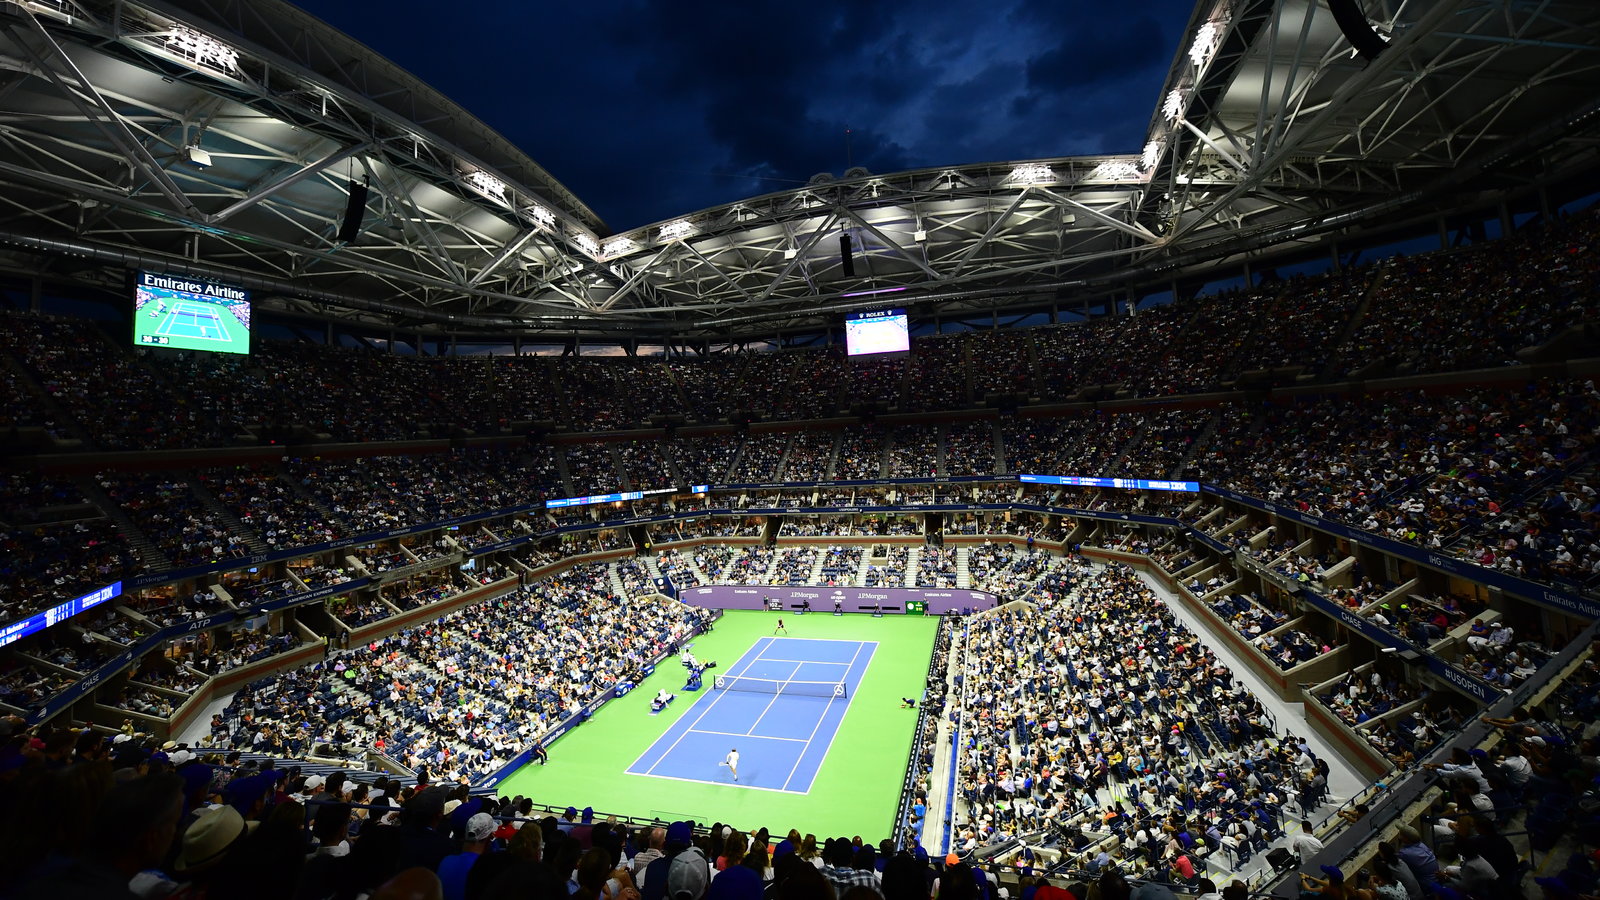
1206, 41
541, 215
618, 246
675, 230
1150, 156
1031, 173
586, 243
1173, 106
1114, 170
202, 50
488, 184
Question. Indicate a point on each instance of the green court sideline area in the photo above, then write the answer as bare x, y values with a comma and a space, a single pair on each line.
857, 785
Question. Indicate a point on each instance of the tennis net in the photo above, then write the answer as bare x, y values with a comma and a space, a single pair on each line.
777, 686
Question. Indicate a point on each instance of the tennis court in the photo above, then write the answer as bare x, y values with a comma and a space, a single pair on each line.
865, 736
199, 321
779, 705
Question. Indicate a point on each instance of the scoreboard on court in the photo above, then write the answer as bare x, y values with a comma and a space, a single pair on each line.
180, 312
876, 333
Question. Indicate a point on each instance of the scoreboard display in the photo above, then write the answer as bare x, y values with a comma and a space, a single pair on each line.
876, 332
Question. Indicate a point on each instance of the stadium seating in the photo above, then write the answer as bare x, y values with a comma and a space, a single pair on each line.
1484, 463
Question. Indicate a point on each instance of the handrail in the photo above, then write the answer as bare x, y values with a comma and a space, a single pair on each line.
913, 765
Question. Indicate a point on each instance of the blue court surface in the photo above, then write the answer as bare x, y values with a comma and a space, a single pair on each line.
782, 738
194, 320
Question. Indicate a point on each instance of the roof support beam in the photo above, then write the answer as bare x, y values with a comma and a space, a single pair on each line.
1397, 53
98, 111
800, 253
717, 269
294, 178
889, 242
499, 259
1095, 214
989, 233
416, 224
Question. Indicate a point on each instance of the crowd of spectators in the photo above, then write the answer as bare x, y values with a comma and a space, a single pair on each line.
354, 612
969, 449
793, 565
891, 570
1099, 714
591, 469
267, 505
168, 512
158, 820
462, 694
1006, 569
936, 567
645, 464
861, 454
709, 459
912, 453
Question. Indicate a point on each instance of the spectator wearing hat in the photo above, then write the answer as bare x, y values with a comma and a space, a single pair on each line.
652, 879
688, 875
475, 842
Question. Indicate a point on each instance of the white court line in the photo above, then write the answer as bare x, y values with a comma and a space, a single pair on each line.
775, 695
822, 718
739, 784
668, 752
809, 662
188, 309
764, 737
824, 640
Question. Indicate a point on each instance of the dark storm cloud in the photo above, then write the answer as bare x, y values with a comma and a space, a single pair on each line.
653, 109
1105, 54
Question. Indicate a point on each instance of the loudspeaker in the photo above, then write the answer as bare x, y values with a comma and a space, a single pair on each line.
1357, 30
846, 261
354, 212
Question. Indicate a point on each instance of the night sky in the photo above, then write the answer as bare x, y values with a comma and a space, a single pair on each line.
652, 109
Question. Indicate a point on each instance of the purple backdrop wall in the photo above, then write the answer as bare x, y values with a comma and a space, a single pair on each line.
853, 599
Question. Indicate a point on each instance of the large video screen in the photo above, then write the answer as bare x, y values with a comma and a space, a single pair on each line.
182, 313
876, 331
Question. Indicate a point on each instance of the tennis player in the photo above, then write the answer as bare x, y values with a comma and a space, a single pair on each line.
780, 628
732, 762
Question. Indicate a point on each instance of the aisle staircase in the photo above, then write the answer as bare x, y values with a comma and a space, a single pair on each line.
1119, 463
963, 573
1201, 439
304, 493
860, 579
139, 542
913, 566
772, 565
217, 508
783, 459
614, 579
